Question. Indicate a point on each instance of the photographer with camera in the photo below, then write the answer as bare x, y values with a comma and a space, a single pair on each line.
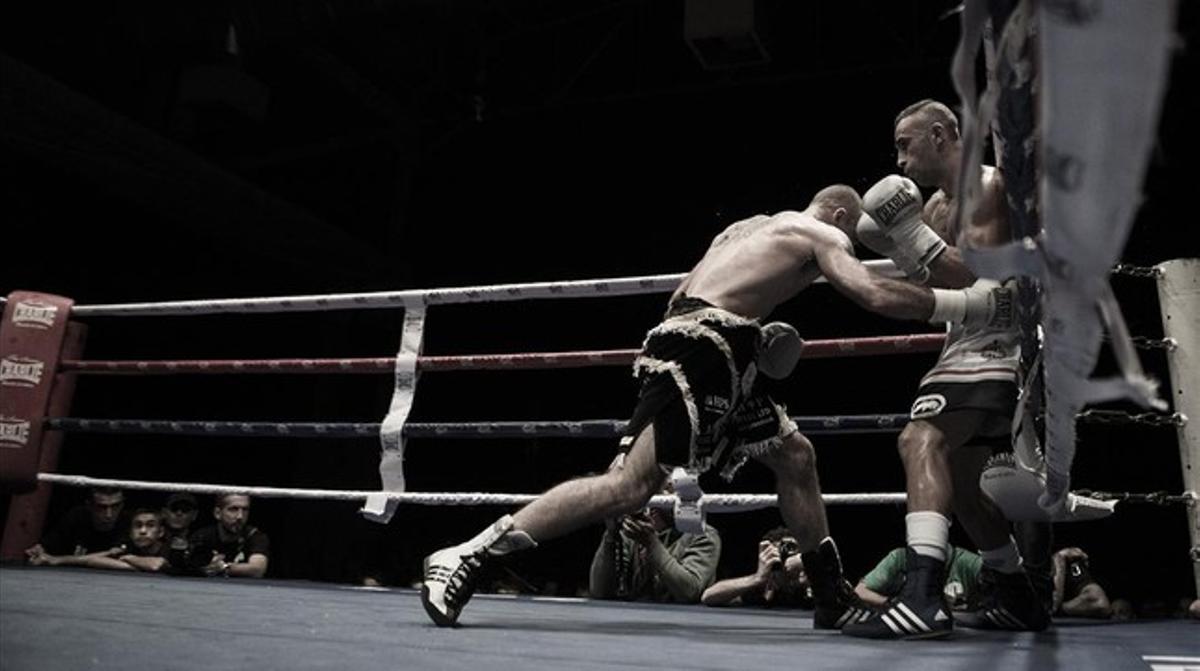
642, 557
779, 580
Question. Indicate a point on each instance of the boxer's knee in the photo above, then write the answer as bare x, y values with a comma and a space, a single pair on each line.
794, 456
629, 488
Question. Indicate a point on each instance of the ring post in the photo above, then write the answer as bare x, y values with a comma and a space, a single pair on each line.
27, 512
31, 338
1179, 299
33, 335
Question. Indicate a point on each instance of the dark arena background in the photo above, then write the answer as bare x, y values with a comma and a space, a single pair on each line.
186, 150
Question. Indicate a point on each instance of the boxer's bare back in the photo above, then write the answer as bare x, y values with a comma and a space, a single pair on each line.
757, 263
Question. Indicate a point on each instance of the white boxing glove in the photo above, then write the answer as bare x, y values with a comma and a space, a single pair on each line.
781, 347
869, 234
895, 204
985, 303
1017, 489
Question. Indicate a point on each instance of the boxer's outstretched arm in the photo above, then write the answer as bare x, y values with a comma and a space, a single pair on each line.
949, 271
891, 298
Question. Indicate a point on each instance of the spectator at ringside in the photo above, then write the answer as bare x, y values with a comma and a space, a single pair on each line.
145, 550
642, 557
963, 569
142, 550
779, 581
179, 513
231, 547
1122, 609
1076, 592
93, 529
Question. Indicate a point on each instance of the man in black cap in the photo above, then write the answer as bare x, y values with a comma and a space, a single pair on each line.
179, 513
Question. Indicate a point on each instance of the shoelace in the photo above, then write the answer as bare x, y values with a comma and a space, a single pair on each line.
462, 580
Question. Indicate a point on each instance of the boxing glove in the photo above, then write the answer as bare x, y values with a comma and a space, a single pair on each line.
895, 204
870, 235
781, 347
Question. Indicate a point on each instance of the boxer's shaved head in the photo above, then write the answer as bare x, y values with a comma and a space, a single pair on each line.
929, 112
838, 205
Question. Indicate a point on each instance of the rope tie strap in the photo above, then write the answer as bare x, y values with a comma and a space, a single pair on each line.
1096, 416
1142, 342
1159, 498
1130, 270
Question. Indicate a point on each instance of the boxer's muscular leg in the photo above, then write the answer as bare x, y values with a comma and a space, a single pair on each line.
795, 466
919, 610
582, 501
925, 448
983, 522
451, 573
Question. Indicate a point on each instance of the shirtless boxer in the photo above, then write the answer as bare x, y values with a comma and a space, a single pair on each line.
700, 406
965, 404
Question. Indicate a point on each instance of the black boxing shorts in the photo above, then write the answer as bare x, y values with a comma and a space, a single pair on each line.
996, 398
698, 390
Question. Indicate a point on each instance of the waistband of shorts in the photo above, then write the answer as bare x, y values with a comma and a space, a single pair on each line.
685, 304
700, 310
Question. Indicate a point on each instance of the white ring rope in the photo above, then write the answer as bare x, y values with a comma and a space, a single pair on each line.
710, 502
619, 286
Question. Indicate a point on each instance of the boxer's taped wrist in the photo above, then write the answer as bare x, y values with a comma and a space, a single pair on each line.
949, 305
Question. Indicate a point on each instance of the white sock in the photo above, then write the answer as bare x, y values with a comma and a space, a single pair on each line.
1005, 559
500, 538
928, 533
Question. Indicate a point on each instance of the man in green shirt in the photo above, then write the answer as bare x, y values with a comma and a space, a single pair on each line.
886, 579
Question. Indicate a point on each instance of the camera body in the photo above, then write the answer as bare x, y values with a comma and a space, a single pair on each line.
786, 548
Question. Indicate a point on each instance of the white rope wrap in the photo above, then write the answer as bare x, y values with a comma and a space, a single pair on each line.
618, 286
710, 502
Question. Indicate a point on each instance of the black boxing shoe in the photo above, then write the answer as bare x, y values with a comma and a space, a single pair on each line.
1043, 588
834, 599
1008, 602
918, 612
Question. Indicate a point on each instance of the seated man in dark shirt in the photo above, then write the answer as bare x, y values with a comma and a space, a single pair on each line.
146, 550
778, 582
96, 528
179, 513
231, 547
1076, 592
